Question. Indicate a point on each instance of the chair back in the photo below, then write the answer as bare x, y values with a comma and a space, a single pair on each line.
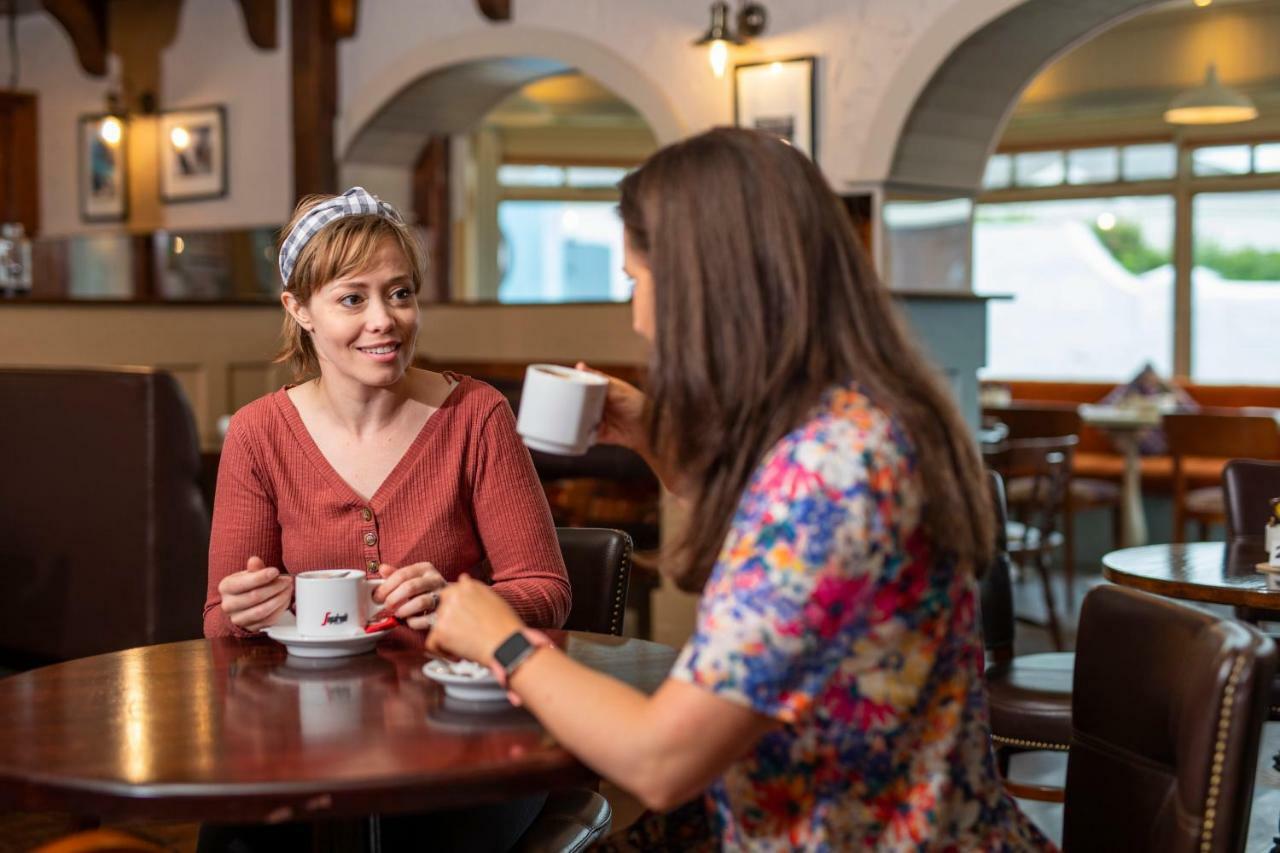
1037, 420
107, 531
599, 566
1249, 485
1168, 703
1046, 463
995, 587
1221, 433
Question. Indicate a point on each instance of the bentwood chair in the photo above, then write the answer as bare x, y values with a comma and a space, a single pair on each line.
1167, 711
1034, 539
1029, 696
1045, 420
1203, 441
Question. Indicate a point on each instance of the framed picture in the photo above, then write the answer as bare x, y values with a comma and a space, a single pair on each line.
104, 175
193, 154
777, 97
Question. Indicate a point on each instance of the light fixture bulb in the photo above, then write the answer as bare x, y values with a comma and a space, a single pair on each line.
1202, 3
180, 138
718, 55
111, 130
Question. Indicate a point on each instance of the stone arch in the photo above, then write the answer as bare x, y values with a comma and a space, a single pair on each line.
956, 118
446, 85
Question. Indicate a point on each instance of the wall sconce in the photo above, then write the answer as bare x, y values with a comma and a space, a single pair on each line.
751, 22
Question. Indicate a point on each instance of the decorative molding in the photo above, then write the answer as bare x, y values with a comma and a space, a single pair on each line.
495, 10
262, 22
86, 23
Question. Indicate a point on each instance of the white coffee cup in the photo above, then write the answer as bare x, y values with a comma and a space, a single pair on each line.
560, 408
334, 602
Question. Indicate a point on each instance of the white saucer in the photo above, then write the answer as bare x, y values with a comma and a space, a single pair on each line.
323, 647
466, 688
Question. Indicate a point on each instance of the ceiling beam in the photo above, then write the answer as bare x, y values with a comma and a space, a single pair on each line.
86, 23
495, 10
262, 22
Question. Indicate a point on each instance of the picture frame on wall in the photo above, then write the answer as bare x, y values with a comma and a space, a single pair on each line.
193, 154
778, 97
102, 145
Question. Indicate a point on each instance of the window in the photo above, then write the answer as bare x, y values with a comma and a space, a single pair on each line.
1038, 168
1090, 281
560, 251
1221, 160
1266, 158
1149, 162
1235, 287
999, 172
1093, 166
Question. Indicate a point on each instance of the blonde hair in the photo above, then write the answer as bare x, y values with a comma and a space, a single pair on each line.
341, 248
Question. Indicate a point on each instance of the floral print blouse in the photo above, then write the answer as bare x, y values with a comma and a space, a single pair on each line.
831, 611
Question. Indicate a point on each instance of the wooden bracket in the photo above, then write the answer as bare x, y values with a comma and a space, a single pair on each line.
495, 10
262, 22
86, 23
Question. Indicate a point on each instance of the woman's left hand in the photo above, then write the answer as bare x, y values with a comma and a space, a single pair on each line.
472, 622
411, 593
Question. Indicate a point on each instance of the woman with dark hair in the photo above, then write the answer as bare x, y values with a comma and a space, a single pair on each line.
831, 696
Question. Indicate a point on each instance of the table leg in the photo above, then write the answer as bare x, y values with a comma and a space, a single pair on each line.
1132, 514
375, 834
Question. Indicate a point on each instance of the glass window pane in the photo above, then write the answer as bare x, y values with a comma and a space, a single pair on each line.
999, 172
530, 176
561, 251
1149, 162
1235, 287
1266, 158
1093, 166
1038, 168
1091, 286
1220, 160
595, 176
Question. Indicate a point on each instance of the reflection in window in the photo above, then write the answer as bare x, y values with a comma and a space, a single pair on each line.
1235, 286
216, 265
1221, 160
561, 251
1149, 162
1038, 168
1091, 286
1093, 166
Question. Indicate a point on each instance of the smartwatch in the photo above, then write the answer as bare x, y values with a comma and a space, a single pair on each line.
512, 652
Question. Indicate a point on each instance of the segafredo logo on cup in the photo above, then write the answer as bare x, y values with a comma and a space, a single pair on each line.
331, 618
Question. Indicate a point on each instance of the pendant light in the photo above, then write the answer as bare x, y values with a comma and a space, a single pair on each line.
1210, 103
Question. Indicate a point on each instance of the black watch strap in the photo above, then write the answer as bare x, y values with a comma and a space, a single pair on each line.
513, 651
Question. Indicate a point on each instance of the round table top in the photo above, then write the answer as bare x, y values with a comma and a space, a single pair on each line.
1196, 571
238, 730
1120, 418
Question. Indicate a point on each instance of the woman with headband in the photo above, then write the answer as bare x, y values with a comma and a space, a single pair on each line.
371, 463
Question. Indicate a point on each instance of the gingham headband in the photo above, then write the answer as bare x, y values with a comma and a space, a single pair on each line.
356, 201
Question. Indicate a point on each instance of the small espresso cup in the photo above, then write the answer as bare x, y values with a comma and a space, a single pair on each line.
560, 409
334, 602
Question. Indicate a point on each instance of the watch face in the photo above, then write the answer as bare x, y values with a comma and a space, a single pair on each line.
511, 649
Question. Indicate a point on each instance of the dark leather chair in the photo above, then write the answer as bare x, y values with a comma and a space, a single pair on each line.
599, 566
1029, 696
1169, 702
107, 535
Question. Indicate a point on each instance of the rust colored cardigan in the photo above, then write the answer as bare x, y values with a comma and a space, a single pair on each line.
465, 497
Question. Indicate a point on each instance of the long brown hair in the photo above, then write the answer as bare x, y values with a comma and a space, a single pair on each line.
763, 299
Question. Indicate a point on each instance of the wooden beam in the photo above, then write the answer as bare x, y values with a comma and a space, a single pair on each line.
262, 22
86, 23
344, 15
495, 10
431, 204
315, 84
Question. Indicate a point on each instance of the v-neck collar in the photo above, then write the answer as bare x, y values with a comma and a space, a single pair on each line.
389, 483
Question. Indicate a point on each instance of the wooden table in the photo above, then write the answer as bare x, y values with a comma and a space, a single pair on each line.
1123, 424
1197, 571
235, 730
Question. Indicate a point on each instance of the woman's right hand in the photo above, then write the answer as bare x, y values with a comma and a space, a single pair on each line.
623, 419
255, 598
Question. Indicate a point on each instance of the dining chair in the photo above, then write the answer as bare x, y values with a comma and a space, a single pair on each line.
1033, 538
1168, 703
599, 565
1199, 445
1029, 696
1045, 420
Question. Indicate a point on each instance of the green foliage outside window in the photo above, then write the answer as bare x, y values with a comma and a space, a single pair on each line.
1125, 243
